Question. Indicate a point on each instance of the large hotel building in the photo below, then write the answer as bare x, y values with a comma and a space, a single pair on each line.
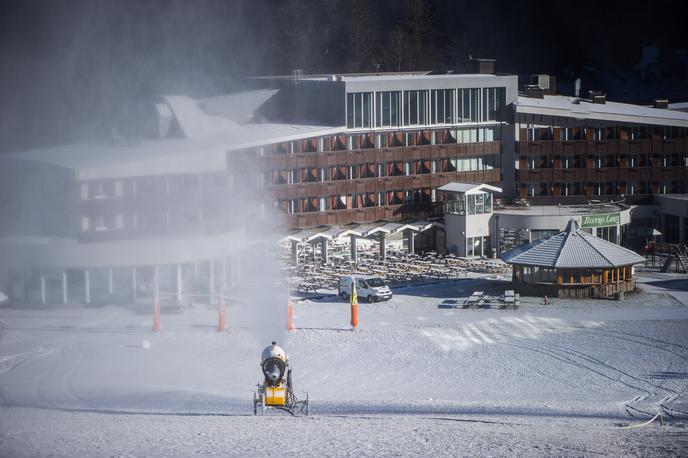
466, 160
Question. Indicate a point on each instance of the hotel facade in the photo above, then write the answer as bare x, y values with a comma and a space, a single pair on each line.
330, 154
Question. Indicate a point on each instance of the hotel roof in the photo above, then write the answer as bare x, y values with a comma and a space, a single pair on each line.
574, 107
572, 249
102, 160
468, 188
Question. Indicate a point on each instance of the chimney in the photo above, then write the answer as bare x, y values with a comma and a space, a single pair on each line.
534, 91
660, 103
597, 97
483, 66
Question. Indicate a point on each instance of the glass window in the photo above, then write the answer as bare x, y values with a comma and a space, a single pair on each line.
388, 106
359, 109
415, 107
470, 204
567, 162
492, 103
442, 106
475, 104
488, 134
467, 105
479, 204
455, 207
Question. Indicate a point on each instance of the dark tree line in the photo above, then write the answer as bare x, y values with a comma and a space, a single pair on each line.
67, 66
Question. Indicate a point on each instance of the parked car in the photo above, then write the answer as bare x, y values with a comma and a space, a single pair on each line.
371, 288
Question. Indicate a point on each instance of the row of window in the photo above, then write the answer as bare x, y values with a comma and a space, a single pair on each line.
609, 160
378, 170
357, 200
384, 140
672, 228
183, 216
424, 107
146, 186
534, 133
604, 188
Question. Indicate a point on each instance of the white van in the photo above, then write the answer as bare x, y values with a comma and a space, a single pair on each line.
370, 288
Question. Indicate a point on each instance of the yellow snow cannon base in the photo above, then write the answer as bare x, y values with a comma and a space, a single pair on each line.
275, 396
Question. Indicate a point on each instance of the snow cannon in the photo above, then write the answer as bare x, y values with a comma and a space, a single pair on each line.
276, 391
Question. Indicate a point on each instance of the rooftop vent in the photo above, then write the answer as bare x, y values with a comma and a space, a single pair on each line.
597, 97
546, 82
540, 80
660, 103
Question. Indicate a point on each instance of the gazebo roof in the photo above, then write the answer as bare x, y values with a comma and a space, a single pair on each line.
573, 248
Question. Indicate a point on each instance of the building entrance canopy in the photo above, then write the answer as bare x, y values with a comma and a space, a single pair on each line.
379, 230
358, 230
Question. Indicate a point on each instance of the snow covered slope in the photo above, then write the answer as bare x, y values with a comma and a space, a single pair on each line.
417, 378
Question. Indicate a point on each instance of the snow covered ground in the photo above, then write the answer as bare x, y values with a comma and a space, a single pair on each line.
418, 378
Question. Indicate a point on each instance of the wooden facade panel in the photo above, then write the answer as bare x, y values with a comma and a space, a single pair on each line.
657, 145
568, 148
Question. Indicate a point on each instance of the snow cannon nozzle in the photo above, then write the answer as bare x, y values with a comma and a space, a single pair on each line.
274, 364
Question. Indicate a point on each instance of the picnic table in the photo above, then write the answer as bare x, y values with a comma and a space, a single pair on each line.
306, 286
510, 298
476, 299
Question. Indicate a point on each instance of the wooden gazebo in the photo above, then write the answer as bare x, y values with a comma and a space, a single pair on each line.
572, 263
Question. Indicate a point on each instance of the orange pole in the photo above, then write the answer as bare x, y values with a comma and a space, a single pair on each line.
354, 306
156, 316
222, 318
290, 322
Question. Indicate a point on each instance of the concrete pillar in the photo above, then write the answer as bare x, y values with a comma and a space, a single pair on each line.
42, 286
224, 282
211, 281
383, 246
64, 286
354, 250
236, 267
156, 283
410, 241
24, 284
179, 283
9, 281
233, 269
111, 286
323, 249
134, 285
294, 253
87, 286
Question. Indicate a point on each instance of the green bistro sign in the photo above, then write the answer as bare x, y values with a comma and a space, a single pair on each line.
601, 220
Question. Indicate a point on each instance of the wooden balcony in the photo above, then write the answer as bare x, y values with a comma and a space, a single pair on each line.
570, 147
381, 184
362, 156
